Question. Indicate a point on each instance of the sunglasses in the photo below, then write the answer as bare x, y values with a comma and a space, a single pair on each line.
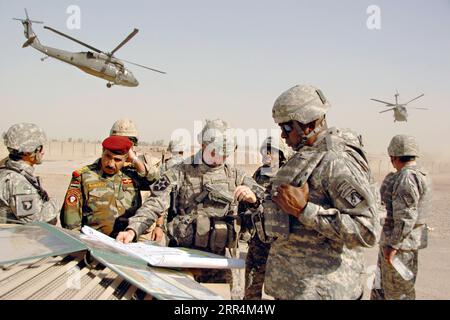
39, 149
286, 127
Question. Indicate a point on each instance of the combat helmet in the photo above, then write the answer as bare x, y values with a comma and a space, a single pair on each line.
176, 145
303, 103
124, 127
24, 138
218, 134
403, 145
277, 144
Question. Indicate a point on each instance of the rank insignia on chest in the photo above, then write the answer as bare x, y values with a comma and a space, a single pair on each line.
127, 181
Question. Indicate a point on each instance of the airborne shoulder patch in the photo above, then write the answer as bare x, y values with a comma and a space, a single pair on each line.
348, 192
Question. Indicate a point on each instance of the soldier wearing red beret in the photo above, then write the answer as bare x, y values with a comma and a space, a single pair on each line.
105, 194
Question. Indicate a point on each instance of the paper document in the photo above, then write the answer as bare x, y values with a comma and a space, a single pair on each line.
164, 256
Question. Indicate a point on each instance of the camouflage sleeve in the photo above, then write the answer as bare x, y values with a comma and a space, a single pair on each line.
156, 204
245, 180
405, 199
72, 210
351, 215
384, 188
25, 204
152, 167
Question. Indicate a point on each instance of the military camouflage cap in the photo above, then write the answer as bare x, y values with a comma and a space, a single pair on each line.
124, 127
277, 144
403, 145
303, 103
217, 134
24, 137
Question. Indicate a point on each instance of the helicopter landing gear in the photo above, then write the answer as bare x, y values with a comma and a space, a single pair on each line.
109, 84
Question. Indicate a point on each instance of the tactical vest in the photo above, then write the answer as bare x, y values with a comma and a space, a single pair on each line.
206, 210
297, 171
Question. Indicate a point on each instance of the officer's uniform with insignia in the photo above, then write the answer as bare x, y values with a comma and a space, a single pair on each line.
103, 202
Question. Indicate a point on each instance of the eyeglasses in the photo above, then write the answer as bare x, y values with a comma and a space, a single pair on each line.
286, 127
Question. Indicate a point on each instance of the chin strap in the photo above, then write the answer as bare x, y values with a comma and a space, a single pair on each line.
305, 138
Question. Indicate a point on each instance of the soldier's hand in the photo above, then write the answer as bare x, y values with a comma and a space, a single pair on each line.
132, 155
157, 234
389, 254
126, 236
243, 193
292, 200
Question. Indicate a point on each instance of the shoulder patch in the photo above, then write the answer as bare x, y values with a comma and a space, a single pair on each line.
348, 192
73, 197
161, 184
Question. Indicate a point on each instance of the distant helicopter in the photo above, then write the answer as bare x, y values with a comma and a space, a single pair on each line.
98, 63
400, 112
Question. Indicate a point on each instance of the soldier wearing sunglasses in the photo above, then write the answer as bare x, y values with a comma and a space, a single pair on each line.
321, 206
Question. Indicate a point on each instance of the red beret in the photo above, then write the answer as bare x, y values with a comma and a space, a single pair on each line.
117, 144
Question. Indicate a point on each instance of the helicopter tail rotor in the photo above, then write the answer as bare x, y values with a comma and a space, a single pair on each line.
27, 19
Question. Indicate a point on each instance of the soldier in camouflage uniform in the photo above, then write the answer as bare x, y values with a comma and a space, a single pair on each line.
407, 197
176, 150
146, 165
22, 198
321, 206
105, 194
274, 155
205, 193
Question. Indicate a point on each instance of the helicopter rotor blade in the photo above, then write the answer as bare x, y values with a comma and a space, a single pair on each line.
387, 110
73, 39
26, 13
386, 103
139, 65
130, 36
415, 98
419, 108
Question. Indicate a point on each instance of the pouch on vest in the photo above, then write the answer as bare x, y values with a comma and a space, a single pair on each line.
202, 231
219, 235
233, 231
181, 230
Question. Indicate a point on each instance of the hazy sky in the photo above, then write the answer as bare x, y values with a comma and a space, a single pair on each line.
232, 59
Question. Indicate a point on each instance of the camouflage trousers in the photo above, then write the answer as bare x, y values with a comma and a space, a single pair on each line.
255, 268
392, 285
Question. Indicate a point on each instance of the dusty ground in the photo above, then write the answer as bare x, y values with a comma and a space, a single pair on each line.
434, 262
